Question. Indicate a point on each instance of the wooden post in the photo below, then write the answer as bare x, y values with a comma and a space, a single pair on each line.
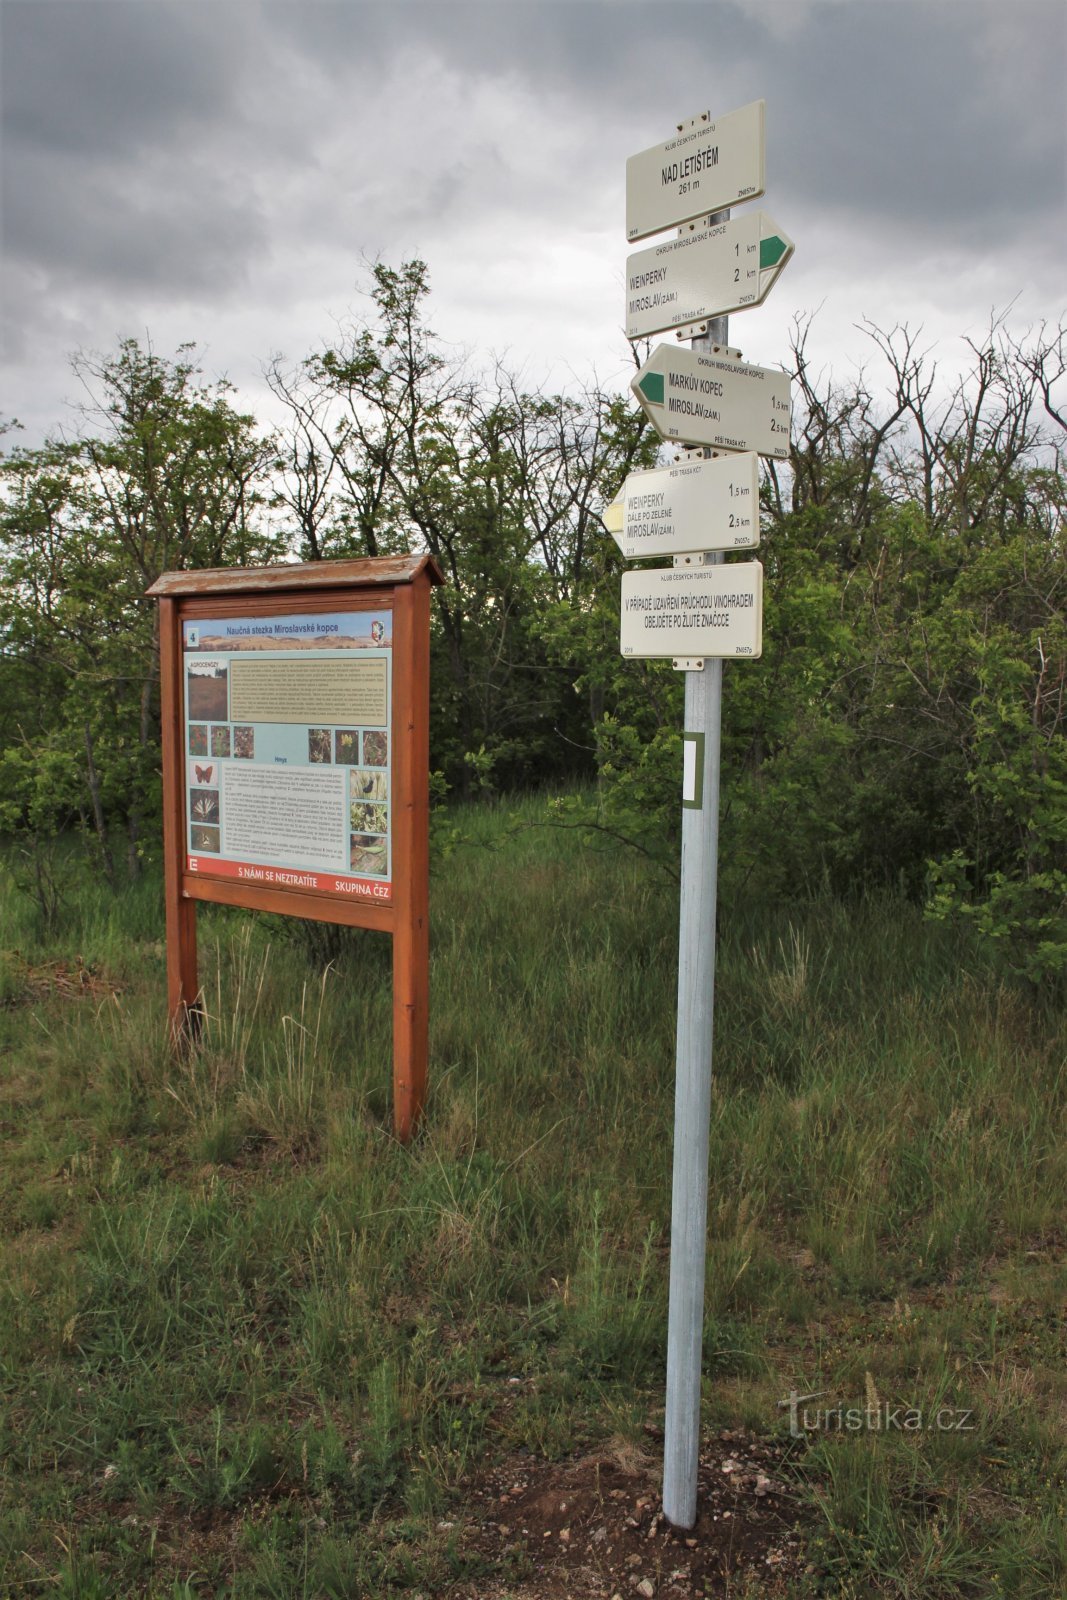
183, 985
411, 931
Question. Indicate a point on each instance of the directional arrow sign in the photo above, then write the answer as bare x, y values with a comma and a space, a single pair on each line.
696, 505
703, 169
705, 400
704, 274
693, 611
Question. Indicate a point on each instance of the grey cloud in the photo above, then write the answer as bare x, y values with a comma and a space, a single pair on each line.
596, 47
897, 108
117, 168
164, 154
109, 77
165, 226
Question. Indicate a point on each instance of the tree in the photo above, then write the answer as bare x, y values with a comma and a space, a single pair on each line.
394, 445
906, 723
914, 640
174, 478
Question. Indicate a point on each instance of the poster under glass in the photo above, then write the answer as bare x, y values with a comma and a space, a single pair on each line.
287, 750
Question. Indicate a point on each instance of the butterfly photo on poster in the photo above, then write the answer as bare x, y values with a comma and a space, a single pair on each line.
204, 805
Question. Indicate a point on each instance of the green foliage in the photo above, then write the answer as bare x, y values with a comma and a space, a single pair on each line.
39, 798
170, 481
1027, 914
904, 727
629, 808
394, 445
616, 1315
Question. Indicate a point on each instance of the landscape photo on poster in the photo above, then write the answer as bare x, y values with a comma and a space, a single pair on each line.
287, 776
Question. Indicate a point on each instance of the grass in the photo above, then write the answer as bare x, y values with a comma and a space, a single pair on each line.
248, 1345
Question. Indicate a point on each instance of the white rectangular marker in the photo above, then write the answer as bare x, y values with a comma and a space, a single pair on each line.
691, 748
693, 611
703, 169
694, 505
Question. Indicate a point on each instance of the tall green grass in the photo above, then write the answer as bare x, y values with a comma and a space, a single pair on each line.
247, 1340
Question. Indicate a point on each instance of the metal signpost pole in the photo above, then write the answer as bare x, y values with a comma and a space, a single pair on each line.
692, 1095
705, 396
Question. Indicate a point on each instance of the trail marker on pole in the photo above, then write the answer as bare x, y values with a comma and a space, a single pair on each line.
706, 166
694, 505
704, 273
704, 399
681, 612
697, 612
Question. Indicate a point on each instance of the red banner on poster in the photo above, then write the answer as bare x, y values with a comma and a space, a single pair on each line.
289, 878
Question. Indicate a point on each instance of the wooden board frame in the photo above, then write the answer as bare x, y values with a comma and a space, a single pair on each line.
403, 584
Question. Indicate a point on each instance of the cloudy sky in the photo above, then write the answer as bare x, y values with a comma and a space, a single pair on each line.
221, 171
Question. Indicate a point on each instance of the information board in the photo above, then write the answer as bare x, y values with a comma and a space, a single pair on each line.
295, 715
287, 780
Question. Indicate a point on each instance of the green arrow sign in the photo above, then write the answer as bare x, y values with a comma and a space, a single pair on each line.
704, 272
771, 251
692, 398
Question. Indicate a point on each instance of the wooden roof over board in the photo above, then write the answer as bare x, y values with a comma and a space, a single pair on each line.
377, 571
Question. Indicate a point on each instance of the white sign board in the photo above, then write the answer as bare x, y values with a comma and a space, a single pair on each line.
696, 505
707, 400
702, 169
704, 274
693, 611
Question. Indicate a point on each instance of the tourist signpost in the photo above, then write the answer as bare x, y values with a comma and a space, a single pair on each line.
696, 398
684, 612
704, 273
705, 167
697, 612
693, 505
295, 706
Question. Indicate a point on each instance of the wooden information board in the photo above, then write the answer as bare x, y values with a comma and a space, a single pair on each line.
295, 704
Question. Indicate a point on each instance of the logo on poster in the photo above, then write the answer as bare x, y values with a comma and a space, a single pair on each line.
377, 631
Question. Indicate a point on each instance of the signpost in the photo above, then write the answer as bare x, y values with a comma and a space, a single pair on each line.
704, 273
695, 505
706, 399
685, 612
704, 168
295, 704
697, 612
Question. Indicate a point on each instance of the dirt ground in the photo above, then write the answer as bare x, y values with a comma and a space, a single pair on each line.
591, 1528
